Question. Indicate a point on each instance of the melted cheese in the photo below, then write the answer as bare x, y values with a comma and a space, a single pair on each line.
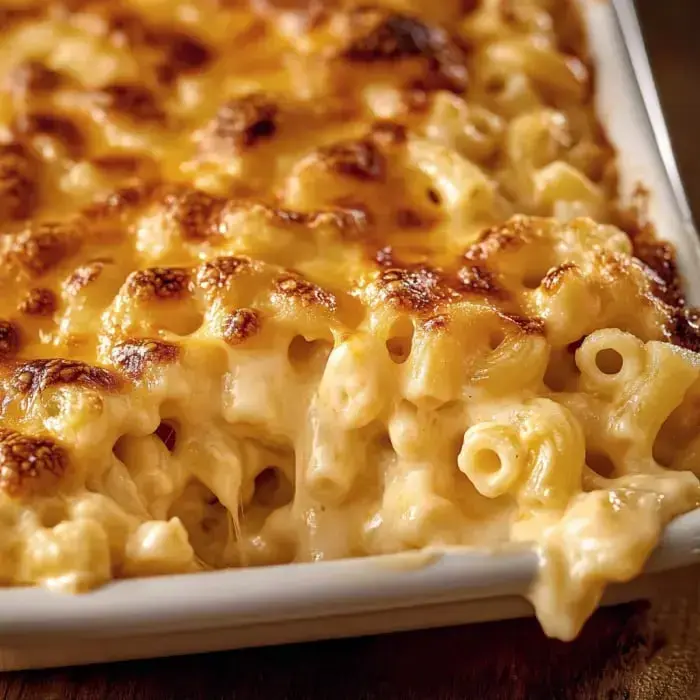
292, 282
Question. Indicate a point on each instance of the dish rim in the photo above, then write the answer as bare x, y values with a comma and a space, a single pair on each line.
286, 592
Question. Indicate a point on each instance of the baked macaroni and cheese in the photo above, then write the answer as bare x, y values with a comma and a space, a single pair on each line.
292, 281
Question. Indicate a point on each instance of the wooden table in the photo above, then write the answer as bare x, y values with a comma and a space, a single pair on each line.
634, 651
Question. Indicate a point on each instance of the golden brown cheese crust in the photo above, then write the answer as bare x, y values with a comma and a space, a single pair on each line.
265, 264
39, 249
658, 255
32, 77
393, 37
422, 289
219, 272
19, 181
158, 283
240, 123
295, 288
29, 465
134, 101
240, 325
358, 159
9, 339
478, 280
212, 181
59, 127
134, 357
82, 276
38, 302
683, 328
198, 214
35, 376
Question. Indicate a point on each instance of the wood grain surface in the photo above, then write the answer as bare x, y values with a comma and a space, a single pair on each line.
637, 651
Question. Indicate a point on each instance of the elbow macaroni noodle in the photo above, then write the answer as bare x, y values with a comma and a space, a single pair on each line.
288, 283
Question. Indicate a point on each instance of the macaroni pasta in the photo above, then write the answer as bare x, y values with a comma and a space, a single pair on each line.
297, 281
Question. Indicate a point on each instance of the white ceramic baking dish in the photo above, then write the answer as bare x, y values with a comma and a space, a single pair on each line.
228, 609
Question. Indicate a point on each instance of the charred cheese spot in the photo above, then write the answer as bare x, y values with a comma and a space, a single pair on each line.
125, 163
359, 159
30, 465
176, 53
529, 326
478, 280
240, 123
82, 276
128, 28
197, 213
35, 376
135, 101
134, 357
660, 257
398, 36
158, 283
436, 324
411, 219
38, 302
416, 100
394, 37
220, 272
554, 279
10, 16
19, 181
511, 235
61, 128
419, 289
182, 54
240, 325
9, 339
42, 248
308, 294
509, 12
123, 200
348, 221
31, 77
388, 133
683, 328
